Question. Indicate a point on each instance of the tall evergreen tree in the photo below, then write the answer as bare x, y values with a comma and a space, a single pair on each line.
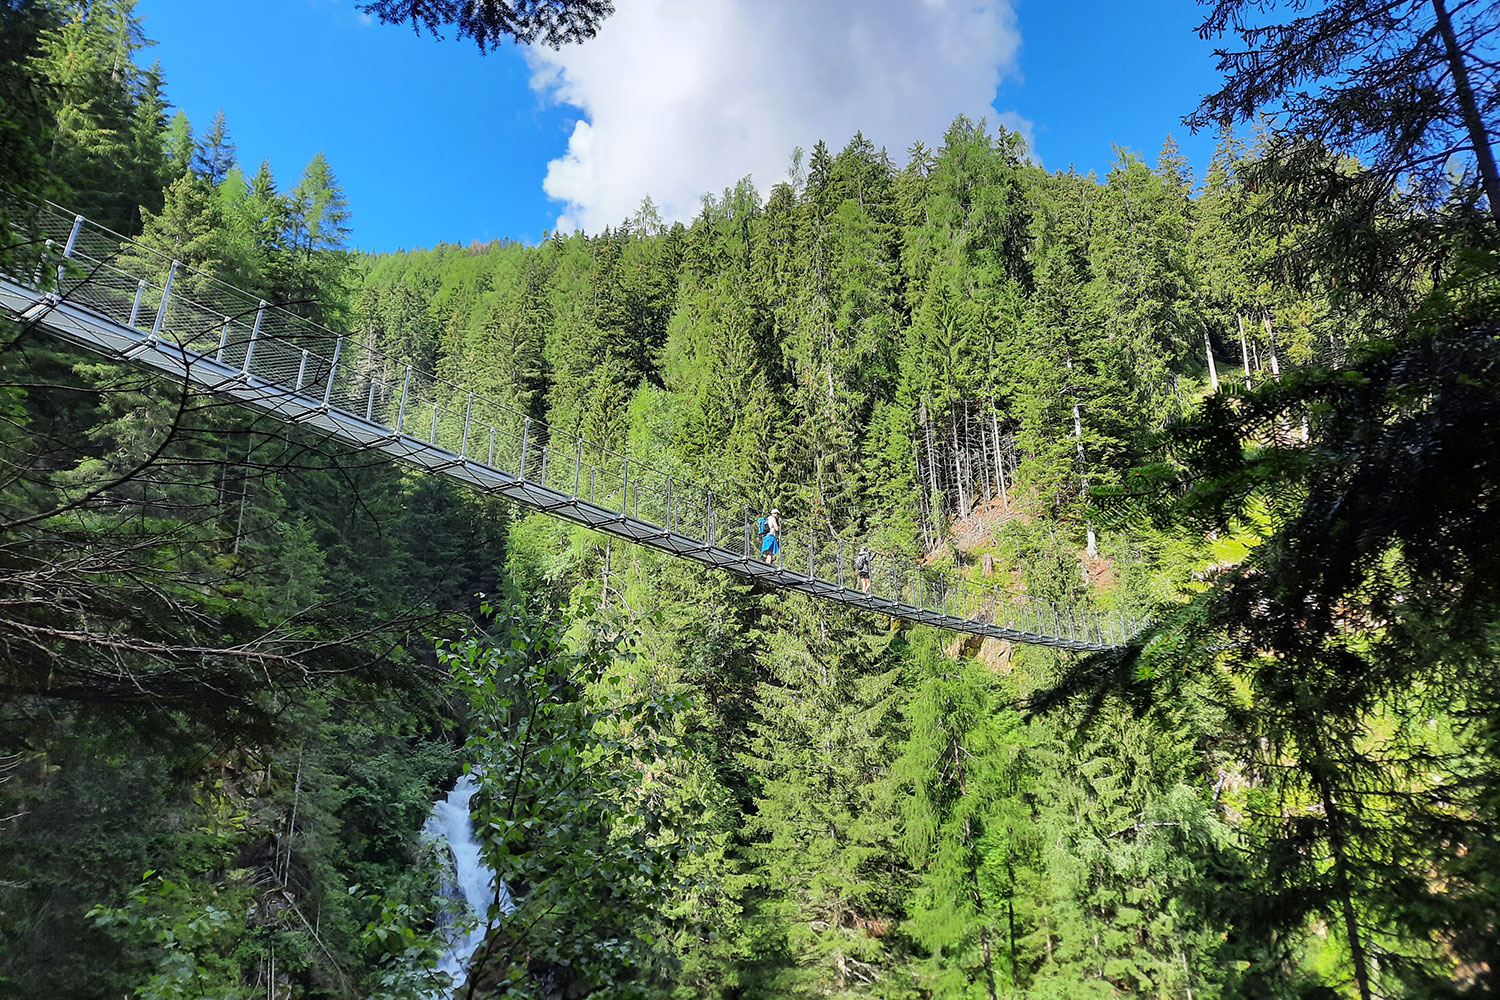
87, 61
307, 273
25, 124
213, 154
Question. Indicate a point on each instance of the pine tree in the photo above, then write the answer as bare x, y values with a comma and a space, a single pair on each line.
963, 781
25, 125
1139, 261
213, 153
825, 833
1341, 622
87, 61
147, 129
189, 229
307, 273
178, 144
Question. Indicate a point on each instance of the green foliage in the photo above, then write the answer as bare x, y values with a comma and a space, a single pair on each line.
493, 21
571, 764
1366, 604
218, 631
25, 126
196, 939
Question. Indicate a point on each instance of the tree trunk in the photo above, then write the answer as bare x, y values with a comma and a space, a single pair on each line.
923, 509
291, 831
931, 460
1478, 134
999, 457
239, 523
1265, 320
1244, 350
958, 468
1213, 372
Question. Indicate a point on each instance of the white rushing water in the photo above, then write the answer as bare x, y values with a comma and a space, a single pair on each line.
470, 885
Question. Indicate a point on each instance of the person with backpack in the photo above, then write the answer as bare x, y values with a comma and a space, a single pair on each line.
864, 562
770, 540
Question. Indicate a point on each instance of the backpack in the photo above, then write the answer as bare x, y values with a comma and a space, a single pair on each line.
761, 527
862, 562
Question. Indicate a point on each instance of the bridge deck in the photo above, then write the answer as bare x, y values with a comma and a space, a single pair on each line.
130, 304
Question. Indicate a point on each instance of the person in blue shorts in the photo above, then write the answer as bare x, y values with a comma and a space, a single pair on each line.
770, 543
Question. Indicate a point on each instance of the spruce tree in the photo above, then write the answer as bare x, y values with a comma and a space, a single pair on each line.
213, 153
178, 144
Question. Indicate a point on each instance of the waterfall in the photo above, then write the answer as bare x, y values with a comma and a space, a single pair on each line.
470, 885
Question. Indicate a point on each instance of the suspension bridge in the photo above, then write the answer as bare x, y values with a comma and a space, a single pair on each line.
96, 289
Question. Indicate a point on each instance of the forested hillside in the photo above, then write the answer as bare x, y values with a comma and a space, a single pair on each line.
1255, 406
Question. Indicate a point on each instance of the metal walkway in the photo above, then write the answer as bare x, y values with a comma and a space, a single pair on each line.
96, 289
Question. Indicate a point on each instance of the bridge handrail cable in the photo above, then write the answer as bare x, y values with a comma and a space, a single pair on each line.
205, 317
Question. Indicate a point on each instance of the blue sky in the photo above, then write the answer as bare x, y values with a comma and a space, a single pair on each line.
434, 142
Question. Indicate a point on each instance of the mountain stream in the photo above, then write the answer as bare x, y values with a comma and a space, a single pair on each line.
469, 884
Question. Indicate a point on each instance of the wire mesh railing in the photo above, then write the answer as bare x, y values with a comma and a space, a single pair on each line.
170, 304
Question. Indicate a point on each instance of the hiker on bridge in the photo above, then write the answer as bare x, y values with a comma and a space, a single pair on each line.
864, 562
770, 542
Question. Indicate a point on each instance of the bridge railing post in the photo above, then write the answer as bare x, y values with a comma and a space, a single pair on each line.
260, 314
577, 464
135, 309
525, 442
401, 407
333, 368
41, 263
72, 237
161, 309
68, 248
708, 519
463, 449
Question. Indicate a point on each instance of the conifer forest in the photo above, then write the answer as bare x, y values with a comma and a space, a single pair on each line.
1255, 407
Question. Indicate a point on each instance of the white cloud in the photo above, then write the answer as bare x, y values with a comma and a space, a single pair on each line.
681, 97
